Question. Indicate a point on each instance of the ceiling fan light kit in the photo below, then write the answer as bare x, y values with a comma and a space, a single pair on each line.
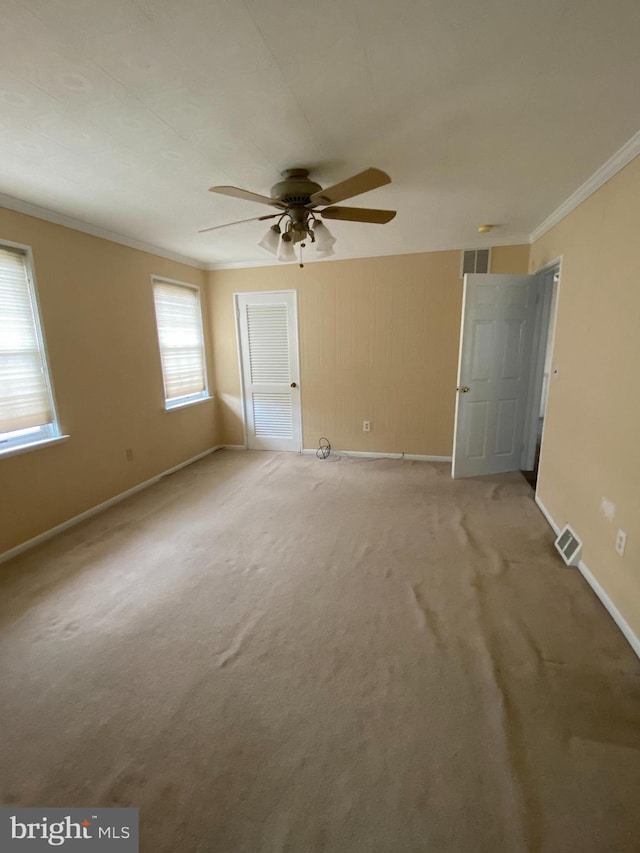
271, 240
324, 237
286, 252
298, 200
326, 253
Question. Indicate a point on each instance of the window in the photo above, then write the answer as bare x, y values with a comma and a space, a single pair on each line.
179, 319
27, 408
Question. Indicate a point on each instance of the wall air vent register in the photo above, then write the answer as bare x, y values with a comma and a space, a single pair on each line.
569, 546
475, 260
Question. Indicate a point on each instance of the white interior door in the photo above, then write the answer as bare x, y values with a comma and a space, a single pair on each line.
268, 335
494, 371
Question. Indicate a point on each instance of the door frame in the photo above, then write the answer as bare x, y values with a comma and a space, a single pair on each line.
243, 398
545, 330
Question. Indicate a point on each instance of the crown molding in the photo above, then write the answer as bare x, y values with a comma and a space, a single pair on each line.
620, 159
38, 212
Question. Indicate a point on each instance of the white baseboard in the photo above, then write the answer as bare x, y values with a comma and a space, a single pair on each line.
419, 458
48, 534
615, 614
548, 516
233, 447
595, 585
365, 454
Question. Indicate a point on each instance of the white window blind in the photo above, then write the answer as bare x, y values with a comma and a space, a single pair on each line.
179, 319
26, 405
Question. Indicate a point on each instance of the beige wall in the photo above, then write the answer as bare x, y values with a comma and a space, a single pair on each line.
591, 449
378, 342
97, 311
510, 259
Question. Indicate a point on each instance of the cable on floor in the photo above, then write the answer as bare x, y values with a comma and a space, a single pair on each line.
324, 451
324, 448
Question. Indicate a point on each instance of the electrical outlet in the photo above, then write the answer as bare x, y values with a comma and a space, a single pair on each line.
129, 454
621, 542
366, 426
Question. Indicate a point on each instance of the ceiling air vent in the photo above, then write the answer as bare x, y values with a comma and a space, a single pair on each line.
475, 260
569, 546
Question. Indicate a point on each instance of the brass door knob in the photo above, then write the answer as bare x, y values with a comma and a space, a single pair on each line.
463, 389
293, 385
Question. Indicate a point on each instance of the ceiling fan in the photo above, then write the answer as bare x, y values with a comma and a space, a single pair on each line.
298, 200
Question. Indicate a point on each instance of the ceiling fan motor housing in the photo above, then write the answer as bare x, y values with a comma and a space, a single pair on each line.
296, 188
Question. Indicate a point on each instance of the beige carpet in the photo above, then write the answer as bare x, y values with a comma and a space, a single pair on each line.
268, 652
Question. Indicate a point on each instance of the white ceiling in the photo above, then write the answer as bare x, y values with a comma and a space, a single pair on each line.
121, 114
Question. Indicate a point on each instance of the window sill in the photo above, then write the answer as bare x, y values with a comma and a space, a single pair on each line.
183, 405
34, 445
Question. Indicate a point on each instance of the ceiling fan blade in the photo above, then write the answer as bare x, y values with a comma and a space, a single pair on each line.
358, 214
239, 222
370, 179
236, 192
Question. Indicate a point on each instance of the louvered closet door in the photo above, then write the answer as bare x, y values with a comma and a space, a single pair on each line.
268, 333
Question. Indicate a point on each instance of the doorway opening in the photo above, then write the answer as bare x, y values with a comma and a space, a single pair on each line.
543, 369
